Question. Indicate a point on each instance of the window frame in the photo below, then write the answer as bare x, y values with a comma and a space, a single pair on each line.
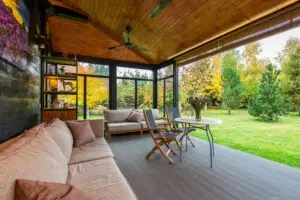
135, 85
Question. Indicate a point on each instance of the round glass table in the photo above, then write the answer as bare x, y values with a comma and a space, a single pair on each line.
203, 124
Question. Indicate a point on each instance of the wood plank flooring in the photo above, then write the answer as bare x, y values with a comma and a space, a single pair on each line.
235, 175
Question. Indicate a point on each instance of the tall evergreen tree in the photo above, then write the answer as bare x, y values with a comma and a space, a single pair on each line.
291, 83
232, 86
268, 103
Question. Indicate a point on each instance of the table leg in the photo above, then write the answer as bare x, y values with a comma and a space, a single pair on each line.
180, 148
212, 139
210, 145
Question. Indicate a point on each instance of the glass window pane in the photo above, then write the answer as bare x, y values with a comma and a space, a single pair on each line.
97, 97
164, 72
169, 92
134, 73
145, 94
93, 69
125, 94
160, 97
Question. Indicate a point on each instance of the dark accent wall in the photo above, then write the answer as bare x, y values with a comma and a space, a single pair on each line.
20, 90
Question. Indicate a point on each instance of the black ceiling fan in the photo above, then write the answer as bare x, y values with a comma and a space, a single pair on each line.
159, 8
128, 44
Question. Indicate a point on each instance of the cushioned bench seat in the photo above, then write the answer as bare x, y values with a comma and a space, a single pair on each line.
98, 149
121, 126
101, 179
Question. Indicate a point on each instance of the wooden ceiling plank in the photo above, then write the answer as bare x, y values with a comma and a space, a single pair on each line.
182, 25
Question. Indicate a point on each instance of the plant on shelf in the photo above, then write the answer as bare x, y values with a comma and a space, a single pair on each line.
198, 103
62, 70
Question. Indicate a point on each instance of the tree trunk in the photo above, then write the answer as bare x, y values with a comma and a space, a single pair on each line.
213, 102
229, 111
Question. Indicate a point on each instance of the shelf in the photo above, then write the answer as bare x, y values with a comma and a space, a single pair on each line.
58, 109
60, 92
71, 77
59, 60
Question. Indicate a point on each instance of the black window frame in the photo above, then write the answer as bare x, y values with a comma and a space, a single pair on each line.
136, 85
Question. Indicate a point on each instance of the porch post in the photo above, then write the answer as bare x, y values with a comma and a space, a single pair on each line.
175, 85
112, 87
155, 89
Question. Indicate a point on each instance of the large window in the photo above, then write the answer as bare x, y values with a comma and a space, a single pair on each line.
97, 97
93, 90
125, 93
145, 94
165, 88
134, 88
165, 72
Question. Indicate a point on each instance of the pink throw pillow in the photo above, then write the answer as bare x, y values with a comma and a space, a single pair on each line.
36, 190
82, 132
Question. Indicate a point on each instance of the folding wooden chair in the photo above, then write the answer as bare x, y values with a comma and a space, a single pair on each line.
160, 136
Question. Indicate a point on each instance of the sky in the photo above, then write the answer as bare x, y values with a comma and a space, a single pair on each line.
273, 45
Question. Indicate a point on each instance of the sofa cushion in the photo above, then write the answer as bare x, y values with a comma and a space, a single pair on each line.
101, 179
82, 132
116, 115
123, 126
135, 117
97, 126
37, 190
158, 123
155, 113
61, 134
98, 149
142, 113
33, 156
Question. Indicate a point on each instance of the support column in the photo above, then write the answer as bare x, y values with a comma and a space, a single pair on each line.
176, 85
155, 89
112, 87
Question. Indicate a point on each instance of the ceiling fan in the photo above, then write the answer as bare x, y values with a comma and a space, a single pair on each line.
159, 8
128, 44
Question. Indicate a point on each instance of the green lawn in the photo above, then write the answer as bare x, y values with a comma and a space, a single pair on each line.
277, 141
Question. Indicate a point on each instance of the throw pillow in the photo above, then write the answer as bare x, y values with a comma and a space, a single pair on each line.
155, 113
82, 132
36, 190
135, 117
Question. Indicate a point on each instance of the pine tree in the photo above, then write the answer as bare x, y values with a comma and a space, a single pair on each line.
268, 103
233, 90
291, 82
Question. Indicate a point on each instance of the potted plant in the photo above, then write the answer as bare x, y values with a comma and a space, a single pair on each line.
198, 103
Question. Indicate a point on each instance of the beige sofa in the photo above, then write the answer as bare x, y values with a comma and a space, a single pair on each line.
116, 121
46, 153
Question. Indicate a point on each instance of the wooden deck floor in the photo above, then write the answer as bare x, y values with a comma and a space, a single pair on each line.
235, 175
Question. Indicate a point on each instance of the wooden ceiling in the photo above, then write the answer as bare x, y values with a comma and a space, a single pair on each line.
180, 26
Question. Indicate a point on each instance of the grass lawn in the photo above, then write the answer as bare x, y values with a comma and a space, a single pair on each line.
277, 141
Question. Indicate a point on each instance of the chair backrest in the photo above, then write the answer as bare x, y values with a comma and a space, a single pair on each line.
149, 119
173, 113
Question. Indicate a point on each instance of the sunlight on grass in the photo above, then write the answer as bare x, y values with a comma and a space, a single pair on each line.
277, 141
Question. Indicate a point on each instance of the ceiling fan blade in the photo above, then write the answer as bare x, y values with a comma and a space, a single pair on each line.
114, 47
139, 48
126, 37
159, 8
